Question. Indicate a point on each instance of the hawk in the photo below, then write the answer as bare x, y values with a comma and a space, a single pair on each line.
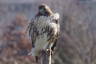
44, 30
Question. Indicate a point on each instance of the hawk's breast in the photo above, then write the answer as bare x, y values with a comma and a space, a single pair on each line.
42, 39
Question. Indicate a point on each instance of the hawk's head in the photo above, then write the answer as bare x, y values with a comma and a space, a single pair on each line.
44, 10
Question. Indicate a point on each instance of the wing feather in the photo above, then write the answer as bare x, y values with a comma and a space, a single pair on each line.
33, 33
53, 33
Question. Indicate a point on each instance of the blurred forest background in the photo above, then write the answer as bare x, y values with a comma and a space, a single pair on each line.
77, 42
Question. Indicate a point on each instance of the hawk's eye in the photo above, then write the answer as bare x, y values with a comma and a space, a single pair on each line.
42, 10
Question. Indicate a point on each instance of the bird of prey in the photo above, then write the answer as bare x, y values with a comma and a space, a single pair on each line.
44, 30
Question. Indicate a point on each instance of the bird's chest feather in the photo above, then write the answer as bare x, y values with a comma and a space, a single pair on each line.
41, 25
42, 38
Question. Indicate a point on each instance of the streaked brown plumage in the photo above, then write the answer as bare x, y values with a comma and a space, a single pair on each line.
44, 30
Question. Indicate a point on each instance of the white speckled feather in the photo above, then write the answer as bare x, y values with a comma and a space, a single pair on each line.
42, 42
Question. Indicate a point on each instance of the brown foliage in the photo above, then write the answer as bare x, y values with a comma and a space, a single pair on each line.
16, 45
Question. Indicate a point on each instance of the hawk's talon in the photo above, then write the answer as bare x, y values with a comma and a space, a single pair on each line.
48, 51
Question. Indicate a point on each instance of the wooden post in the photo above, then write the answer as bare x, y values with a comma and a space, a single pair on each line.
45, 58
50, 56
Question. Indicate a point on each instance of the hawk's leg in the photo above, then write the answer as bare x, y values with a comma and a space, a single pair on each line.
49, 49
52, 45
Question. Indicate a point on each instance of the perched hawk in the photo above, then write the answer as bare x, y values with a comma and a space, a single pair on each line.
44, 30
